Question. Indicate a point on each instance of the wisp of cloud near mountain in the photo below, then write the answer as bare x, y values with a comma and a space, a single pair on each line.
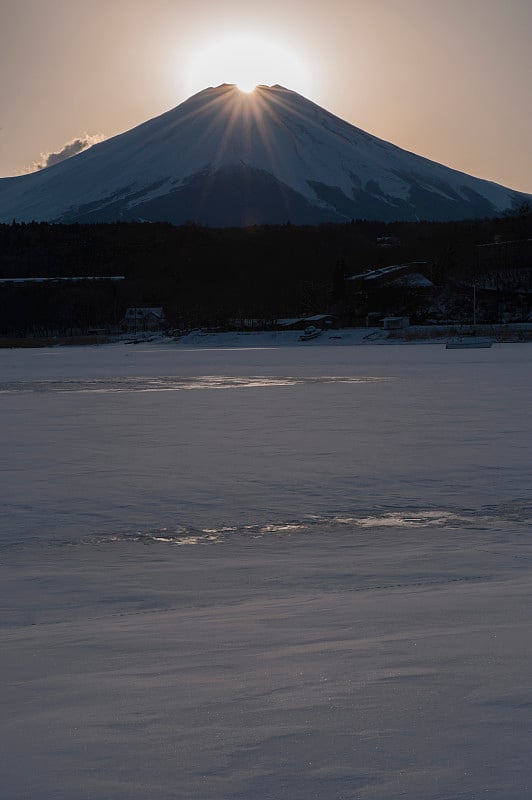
69, 149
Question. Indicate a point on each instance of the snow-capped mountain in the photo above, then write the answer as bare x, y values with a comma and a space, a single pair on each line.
224, 158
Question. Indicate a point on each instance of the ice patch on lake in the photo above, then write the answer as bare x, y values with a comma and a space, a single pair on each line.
490, 518
174, 383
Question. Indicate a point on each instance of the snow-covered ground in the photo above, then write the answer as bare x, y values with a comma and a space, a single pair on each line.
248, 572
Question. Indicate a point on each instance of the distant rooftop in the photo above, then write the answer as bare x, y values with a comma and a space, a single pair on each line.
73, 279
388, 272
141, 312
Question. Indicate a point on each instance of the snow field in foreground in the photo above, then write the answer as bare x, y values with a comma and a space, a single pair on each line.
252, 574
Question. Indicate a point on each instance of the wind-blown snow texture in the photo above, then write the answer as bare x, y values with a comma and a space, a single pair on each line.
225, 157
273, 572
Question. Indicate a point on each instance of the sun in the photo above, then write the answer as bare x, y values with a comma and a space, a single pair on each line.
247, 88
247, 61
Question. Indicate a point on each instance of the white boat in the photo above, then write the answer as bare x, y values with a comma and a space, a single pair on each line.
467, 342
310, 333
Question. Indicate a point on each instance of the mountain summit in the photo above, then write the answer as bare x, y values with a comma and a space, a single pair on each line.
227, 158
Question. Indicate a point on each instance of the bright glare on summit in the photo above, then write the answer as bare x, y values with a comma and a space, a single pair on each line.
247, 61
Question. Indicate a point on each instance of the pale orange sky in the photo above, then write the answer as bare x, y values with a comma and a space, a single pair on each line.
448, 80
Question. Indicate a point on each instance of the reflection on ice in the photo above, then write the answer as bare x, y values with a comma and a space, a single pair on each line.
401, 520
173, 383
397, 519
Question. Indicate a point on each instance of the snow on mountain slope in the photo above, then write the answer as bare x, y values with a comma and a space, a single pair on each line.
224, 157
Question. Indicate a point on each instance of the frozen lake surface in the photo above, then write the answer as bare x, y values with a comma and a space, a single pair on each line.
268, 572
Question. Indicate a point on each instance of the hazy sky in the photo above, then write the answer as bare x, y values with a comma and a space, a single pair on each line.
449, 79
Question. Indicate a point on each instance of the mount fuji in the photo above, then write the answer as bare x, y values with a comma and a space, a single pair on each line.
227, 158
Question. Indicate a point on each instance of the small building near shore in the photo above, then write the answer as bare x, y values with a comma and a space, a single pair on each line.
395, 323
143, 319
323, 321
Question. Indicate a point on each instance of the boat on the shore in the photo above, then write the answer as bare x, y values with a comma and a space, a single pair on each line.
312, 332
468, 342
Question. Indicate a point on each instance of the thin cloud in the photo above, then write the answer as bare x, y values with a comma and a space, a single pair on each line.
68, 150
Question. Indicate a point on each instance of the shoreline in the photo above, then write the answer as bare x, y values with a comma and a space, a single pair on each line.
517, 332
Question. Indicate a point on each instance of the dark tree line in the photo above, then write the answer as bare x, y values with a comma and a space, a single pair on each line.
206, 276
